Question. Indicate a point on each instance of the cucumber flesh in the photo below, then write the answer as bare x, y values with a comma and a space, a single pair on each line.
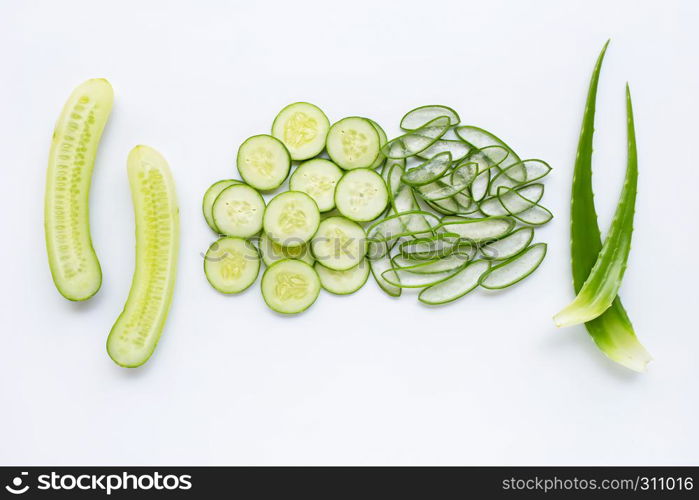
231, 264
361, 195
74, 266
353, 142
339, 243
383, 139
290, 286
238, 211
458, 285
514, 269
343, 282
303, 129
209, 198
273, 252
135, 334
263, 162
291, 218
317, 178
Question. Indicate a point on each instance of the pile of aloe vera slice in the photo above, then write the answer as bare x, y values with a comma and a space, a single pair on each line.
463, 210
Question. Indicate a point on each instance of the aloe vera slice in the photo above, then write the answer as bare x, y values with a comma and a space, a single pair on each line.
509, 246
418, 117
379, 262
430, 247
455, 287
612, 331
75, 270
451, 262
458, 149
478, 230
523, 209
135, 334
529, 194
514, 269
535, 170
428, 171
488, 160
412, 143
403, 224
405, 279
480, 138
602, 284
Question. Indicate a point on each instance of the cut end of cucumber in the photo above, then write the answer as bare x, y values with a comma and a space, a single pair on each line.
290, 286
317, 178
231, 264
361, 195
238, 211
291, 218
353, 143
263, 162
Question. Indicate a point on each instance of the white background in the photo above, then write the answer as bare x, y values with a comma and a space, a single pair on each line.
362, 379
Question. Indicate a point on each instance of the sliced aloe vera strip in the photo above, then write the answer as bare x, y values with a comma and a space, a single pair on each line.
509, 246
455, 287
447, 206
531, 194
379, 262
488, 160
523, 209
449, 185
450, 262
535, 170
430, 247
515, 269
458, 149
428, 171
463, 174
478, 230
406, 279
418, 117
404, 224
481, 138
412, 143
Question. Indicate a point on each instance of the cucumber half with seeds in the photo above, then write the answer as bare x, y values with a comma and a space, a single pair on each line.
353, 143
361, 195
209, 198
303, 128
291, 218
290, 286
263, 162
317, 178
238, 211
231, 264
343, 282
136, 332
339, 243
72, 259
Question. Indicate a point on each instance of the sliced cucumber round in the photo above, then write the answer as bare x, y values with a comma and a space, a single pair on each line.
290, 286
273, 252
317, 178
291, 218
238, 211
231, 264
383, 139
361, 195
263, 162
209, 198
343, 282
303, 129
353, 143
339, 243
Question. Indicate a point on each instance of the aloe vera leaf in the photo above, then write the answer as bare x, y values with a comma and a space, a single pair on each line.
612, 331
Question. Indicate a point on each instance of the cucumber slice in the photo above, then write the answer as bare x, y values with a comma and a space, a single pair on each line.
413, 143
361, 195
209, 198
263, 162
429, 171
509, 246
383, 139
273, 252
291, 218
231, 264
339, 243
514, 269
458, 149
416, 118
317, 178
74, 266
379, 261
479, 230
290, 286
455, 287
343, 282
353, 143
238, 211
303, 128
530, 194
136, 332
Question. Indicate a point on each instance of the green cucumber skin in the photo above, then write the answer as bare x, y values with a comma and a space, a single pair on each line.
612, 331
206, 211
290, 313
350, 292
63, 135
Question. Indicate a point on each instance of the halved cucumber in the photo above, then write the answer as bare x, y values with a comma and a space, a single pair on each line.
303, 128
238, 211
290, 286
353, 143
291, 218
136, 332
343, 282
209, 198
317, 178
231, 264
273, 252
361, 195
263, 162
74, 266
339, 243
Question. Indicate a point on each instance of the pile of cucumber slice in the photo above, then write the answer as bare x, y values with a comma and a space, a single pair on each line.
452, 208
